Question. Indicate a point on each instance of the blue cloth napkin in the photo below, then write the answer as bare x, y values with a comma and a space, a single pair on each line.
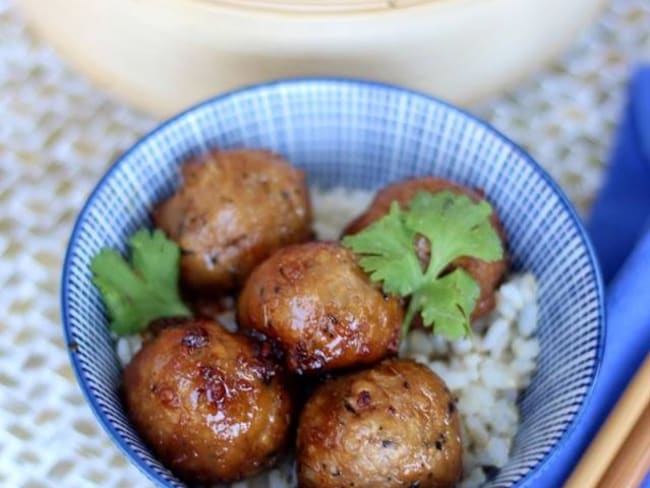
620, 231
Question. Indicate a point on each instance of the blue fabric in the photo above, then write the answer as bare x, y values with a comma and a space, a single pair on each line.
621, 212
620, 231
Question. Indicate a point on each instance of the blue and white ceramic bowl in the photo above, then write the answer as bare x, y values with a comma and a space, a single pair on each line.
363, 135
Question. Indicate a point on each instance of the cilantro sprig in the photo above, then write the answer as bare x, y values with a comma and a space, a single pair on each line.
455, 227
144, 290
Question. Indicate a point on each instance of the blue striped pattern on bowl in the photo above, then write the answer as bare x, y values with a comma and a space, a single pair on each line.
356, 134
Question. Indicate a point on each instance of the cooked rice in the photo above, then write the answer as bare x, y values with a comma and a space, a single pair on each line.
486, 372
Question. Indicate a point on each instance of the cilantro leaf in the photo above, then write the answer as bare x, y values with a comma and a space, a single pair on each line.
390, 260
455, 227
447, 302
134, 296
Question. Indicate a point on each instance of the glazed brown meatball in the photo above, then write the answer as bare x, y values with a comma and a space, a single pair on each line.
488, 274
394, 425
233, 209
320, 308
208, 402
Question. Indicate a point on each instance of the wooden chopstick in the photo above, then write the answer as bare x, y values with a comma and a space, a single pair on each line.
631, 464
625, 425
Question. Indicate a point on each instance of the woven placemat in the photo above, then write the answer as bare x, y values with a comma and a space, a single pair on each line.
57, 136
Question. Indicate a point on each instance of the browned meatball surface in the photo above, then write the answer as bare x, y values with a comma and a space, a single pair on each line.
208, 402
320, 308
488, 274
394, 425
233, 209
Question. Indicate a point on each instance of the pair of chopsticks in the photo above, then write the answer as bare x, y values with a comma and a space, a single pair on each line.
619, 456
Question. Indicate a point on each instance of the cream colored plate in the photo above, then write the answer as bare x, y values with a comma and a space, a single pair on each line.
163, 55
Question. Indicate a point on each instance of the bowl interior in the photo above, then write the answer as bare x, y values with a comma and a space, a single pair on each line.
359, 135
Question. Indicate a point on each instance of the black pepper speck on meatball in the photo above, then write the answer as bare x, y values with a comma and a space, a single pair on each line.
233, 209
317, 304
394, 425
209, 403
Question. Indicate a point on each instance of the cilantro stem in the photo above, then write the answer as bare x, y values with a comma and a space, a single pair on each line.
410, 313
434, 268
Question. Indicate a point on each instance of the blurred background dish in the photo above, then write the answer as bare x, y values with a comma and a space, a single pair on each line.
165, 55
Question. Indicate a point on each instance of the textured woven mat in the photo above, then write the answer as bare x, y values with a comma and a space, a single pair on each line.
58, 134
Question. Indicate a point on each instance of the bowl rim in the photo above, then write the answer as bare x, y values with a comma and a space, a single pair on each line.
334, 81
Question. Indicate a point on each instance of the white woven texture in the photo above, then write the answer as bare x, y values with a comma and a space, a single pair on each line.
57, 136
